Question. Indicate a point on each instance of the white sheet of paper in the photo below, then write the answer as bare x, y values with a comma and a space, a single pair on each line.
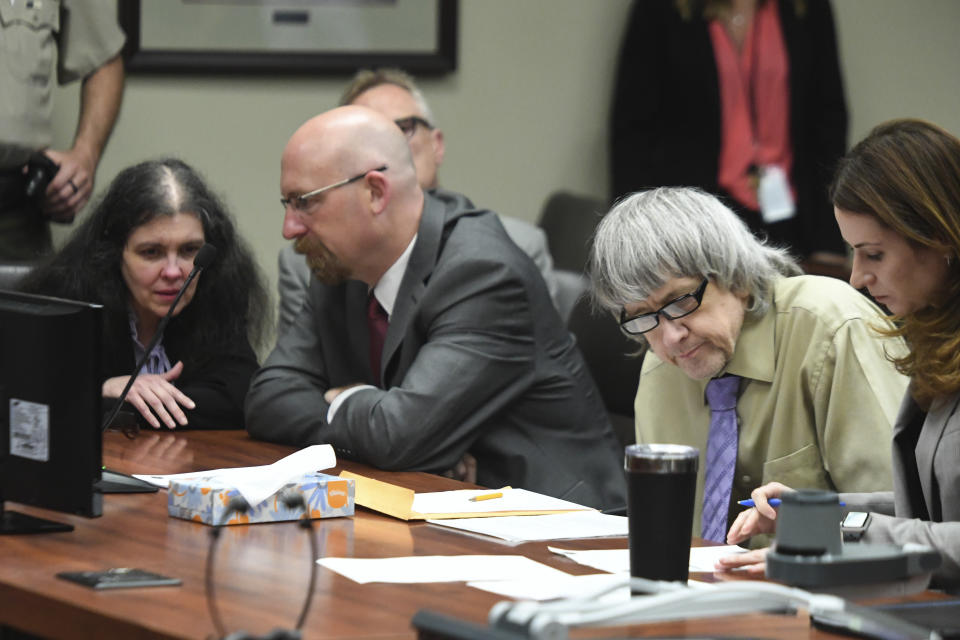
256, 484
512, 500
704, 558
568, 587
414, 569
571, 587
555, 526
618, 560
610, 560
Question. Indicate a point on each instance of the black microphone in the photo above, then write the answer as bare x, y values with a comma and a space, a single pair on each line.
204, 258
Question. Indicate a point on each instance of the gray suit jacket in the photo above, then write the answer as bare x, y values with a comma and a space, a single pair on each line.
926, 483
294, 275
476, 360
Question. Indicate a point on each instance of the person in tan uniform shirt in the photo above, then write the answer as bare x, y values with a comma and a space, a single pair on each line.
80, 40
816, 397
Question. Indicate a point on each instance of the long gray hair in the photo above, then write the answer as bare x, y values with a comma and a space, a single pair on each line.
673, 232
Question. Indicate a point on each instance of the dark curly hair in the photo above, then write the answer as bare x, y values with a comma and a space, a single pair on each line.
231, 301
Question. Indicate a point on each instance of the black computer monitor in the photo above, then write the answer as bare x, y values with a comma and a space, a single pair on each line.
50, 454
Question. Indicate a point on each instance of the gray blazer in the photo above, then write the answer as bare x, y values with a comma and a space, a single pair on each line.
476, 360
926, 486
294, 275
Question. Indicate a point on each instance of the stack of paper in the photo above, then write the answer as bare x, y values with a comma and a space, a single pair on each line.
558, 526
405, 504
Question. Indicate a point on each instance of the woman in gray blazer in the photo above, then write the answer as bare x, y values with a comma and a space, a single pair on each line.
896, 197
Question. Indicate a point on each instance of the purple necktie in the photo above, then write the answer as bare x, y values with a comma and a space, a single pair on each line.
377, 322
721, 457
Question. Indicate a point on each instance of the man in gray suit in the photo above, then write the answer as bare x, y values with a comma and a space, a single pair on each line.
474, 358
394, 94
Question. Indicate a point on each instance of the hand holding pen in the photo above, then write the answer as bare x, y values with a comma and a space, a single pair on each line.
762, 517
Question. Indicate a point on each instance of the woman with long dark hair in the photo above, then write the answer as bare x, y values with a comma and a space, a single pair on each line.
132, 254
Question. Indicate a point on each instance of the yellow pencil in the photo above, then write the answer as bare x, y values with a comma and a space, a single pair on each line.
487, 496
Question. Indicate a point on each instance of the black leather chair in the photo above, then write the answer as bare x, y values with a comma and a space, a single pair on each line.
611, 358
568, 220
570, 286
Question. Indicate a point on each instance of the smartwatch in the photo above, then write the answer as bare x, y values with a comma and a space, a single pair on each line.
854, 525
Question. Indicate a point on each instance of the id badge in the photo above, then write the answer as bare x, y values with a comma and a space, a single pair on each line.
773, 193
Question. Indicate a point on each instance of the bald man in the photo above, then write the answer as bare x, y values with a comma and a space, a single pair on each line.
475, 359
394, 94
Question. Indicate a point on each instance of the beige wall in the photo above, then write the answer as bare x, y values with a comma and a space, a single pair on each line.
524, 114
900, 59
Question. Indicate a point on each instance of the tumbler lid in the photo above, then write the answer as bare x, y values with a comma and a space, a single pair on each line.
661, 458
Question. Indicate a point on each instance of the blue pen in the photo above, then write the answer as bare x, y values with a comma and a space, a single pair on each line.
774, 502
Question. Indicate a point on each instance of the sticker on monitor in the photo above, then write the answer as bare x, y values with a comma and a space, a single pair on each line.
29, 430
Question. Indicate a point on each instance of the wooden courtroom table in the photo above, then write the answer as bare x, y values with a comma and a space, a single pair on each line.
262, 570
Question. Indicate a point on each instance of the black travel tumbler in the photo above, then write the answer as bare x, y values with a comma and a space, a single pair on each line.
661, 484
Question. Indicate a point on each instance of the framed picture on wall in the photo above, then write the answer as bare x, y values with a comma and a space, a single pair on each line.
288, 36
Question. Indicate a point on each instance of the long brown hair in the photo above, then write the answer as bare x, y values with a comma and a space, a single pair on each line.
906, 173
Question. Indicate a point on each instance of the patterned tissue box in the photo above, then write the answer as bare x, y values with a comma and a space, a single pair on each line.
205, 499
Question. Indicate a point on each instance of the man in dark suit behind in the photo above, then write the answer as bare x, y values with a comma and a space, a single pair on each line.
475, 359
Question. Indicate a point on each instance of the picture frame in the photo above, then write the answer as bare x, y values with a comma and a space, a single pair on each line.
289, 37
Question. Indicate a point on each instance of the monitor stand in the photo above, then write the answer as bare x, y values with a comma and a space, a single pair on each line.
116, 482
12, 522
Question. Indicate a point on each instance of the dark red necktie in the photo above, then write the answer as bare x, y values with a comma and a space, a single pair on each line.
377, 321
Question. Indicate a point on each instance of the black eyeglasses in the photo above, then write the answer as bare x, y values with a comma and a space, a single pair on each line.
299, 203
409, 125
673, 310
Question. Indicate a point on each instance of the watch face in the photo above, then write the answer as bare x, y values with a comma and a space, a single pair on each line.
855, 519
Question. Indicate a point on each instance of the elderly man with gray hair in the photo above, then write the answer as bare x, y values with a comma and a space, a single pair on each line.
772, 375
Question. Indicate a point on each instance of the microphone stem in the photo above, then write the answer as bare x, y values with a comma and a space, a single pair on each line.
146, 352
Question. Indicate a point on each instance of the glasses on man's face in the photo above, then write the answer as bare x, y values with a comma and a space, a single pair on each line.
673, 310
409, 125
299, 203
